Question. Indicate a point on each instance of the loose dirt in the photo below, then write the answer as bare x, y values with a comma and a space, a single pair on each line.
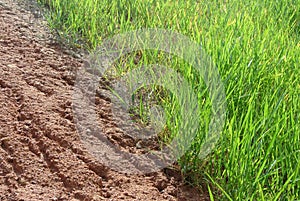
41, 155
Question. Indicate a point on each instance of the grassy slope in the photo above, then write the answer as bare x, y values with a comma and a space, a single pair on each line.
256, 46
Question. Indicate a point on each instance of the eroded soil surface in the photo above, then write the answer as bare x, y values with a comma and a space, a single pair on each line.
41, 155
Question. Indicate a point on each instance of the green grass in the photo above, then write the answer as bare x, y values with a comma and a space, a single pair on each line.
256, 47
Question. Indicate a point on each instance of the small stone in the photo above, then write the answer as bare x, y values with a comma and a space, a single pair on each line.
21, 181
54, 198
12, 65
139, 145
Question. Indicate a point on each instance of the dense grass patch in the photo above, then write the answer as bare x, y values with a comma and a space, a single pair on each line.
256, 47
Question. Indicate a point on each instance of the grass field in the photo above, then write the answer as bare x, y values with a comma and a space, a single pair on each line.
256, 48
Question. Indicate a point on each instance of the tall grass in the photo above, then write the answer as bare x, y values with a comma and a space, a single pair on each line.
256, 47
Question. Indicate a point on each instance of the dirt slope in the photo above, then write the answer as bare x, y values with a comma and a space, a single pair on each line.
41, 156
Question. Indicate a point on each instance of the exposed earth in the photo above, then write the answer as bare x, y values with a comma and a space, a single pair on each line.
41, 155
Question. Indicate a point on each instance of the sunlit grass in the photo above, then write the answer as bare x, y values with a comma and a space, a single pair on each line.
256, 47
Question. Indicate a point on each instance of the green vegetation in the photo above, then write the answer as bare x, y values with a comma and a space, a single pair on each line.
256, 47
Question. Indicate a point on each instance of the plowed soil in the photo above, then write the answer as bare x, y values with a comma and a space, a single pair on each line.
41, 155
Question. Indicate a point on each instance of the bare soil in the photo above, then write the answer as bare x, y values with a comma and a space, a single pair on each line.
41, 155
